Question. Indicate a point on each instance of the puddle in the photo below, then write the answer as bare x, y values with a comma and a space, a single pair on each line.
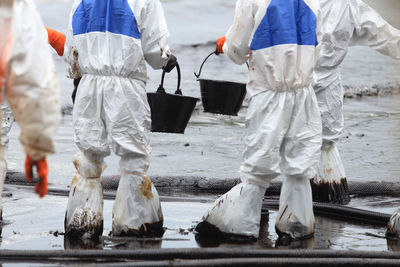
37, 224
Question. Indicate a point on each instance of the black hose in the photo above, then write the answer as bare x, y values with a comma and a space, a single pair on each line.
210, 185
262, 262
339, 212
205, 256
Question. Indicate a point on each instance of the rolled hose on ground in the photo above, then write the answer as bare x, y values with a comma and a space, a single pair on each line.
222, 185
205, 256
339, 212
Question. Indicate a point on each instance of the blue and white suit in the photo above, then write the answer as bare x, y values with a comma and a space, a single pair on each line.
107, 44
280, 40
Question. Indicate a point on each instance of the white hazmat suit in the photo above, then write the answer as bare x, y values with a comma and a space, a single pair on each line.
28, 78
283, 125
107, 44
345, 23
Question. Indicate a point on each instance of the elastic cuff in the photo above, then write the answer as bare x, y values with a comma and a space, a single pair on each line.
305, 176
97, 158
260, 180
34, 154
327, 144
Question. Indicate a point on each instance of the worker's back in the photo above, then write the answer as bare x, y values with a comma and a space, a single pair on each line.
283, 43
112, 37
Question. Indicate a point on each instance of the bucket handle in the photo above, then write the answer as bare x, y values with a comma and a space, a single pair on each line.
161, 86
201, 67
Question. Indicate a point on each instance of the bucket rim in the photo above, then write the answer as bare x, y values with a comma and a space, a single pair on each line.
175, 95
221, 81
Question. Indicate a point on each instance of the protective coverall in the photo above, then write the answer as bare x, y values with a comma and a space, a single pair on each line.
283, 125
32, 92
345, 23
56, 40
107, 44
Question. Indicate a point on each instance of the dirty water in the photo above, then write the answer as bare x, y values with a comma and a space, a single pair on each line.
37, 224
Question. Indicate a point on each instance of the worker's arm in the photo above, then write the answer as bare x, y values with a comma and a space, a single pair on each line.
31, 89
373, 31
71, 55
56, 40
238, 36
154, 34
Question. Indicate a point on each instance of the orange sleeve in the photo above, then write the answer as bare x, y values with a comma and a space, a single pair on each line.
56, 40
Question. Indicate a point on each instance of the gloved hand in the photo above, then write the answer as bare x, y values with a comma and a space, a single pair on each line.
220, 44
171, 64
42, 170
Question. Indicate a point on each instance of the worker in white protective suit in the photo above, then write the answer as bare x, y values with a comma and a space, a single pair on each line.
283, 125
107, 44
31, 91
56, 40
345, 23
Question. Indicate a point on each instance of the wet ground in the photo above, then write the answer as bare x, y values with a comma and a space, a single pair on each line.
209, 152
35, 224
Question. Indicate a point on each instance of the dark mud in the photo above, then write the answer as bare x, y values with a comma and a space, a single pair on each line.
333, 192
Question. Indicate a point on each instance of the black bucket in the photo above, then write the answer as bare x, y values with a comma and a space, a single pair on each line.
221, 97
170, 113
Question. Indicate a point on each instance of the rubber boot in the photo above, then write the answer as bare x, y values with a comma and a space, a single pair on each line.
137, 208
295, 218
84, 216
237, 212
330, 184
393, 226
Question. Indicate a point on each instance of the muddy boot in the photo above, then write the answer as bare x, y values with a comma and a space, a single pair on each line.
84, 216
393, 227
330, 184
295, 219
237, 212
137, 208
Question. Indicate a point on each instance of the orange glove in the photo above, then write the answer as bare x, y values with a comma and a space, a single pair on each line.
56, 40
220, 44
42, 170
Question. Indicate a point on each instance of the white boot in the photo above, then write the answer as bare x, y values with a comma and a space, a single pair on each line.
84, 216
295, 216
237, 212
137, 208
330, 184
393, 227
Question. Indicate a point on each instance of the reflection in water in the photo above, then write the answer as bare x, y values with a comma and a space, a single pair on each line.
265, 239
82, 243
283, 243
393, 245
327, 232
133, 243
105, 242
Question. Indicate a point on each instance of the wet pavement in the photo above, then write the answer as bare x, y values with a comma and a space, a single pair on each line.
37, 224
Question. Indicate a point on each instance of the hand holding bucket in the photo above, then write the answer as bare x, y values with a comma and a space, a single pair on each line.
220, 97
170, 113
